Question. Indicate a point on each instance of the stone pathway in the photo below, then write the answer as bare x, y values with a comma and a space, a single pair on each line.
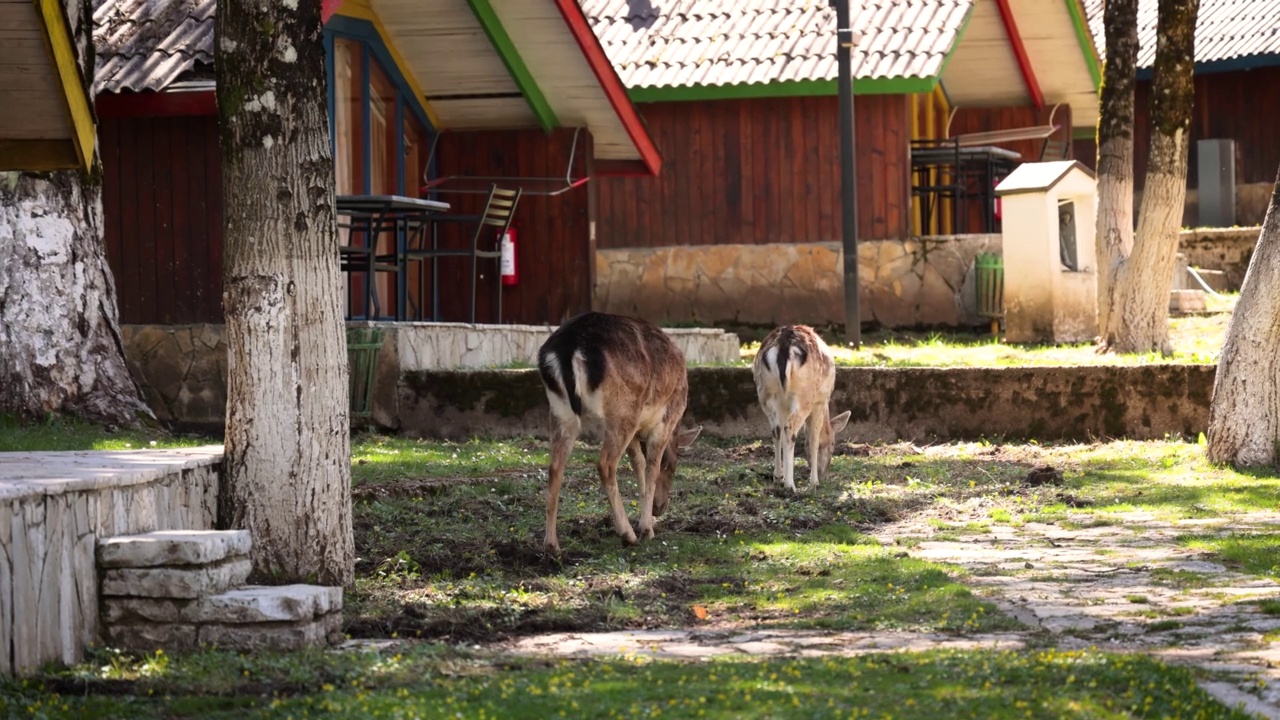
1129, 586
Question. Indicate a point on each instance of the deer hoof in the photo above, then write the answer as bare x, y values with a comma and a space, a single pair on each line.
630, 539
551, 547
646, 533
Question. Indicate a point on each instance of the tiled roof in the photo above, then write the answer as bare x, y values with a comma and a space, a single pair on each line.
148, 44
663, 43
1225, 29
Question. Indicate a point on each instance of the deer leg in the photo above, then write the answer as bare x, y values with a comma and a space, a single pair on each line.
610, 453
561, 445
635, 451
813, 439
653, 460
788, 440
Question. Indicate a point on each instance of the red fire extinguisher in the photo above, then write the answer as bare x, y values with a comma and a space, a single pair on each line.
509, 274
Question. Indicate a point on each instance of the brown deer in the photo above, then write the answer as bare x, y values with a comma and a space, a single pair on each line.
795, 374
627, 379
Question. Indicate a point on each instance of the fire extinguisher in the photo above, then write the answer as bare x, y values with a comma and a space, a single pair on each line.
508, 263
998, 211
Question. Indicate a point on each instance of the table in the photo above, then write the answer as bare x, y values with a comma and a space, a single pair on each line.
374, 215
985, 164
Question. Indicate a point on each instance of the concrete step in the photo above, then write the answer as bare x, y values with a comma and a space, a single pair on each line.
184, 581
173, 547
285, 617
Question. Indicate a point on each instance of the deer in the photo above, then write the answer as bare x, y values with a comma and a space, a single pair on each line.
795, 373
625, 378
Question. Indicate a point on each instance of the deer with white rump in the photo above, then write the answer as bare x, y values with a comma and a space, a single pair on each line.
626, 378
795, 373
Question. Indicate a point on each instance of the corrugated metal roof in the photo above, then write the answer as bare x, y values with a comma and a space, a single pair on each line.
149, 44
1225, 29
659, 43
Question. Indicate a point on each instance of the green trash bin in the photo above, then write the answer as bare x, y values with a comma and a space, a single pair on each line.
363, 345
989, 270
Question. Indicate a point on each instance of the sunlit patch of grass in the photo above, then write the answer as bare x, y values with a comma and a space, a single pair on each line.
1137, 598
1253, 553
1195, 339
1001, 515
61, 434
418, 681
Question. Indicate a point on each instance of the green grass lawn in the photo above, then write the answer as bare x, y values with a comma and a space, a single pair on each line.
430, 681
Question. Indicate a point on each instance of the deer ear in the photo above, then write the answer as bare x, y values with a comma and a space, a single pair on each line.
685, 438
838, 422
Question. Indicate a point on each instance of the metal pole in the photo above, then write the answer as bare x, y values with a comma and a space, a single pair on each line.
848, 173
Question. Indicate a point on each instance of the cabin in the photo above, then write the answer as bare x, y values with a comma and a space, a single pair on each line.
1237, 94
429, 99
743, 226
46, 121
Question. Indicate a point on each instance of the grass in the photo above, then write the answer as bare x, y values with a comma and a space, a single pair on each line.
422, 680
66, 434
1196, 339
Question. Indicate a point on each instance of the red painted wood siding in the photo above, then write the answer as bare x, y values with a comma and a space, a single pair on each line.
552, 233
972, 120
760, 171
1235, 105
162, 205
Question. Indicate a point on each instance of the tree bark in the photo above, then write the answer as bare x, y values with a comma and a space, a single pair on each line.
1138, 317
1115, 147
1244, 415
60, 346
288, 471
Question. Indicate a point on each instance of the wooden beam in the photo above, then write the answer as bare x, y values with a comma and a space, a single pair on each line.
515, 64
38, 155
62, 51
1020, 52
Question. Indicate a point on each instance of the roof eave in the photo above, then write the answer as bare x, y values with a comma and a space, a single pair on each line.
612, 85
789, 88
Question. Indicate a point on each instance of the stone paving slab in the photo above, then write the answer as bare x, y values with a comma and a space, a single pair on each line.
173, 547
185, 583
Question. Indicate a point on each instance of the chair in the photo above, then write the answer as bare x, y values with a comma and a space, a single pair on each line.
499, 207
365, 259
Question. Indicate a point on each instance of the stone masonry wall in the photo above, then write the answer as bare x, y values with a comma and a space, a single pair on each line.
887, 404
904, 283
183, 369
1225, 249
54, 506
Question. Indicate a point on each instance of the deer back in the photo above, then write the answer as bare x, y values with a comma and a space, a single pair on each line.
604, 366
794, 369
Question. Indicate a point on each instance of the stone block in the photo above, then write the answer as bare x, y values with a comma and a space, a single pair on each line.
186, 582
262, 604
1186, 301
146, 637
277, 637
173, 547
134, 610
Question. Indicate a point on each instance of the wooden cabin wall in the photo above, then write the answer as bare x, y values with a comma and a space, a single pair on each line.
1233, 105
162, 207
972, 120
760, 171
552, 232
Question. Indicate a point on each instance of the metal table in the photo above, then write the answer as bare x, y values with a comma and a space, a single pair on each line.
980, 165
374, 215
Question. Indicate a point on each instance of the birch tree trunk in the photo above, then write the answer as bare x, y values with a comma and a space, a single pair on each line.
1244, 416
288, 463
1138, 316
60, 346
1115, 147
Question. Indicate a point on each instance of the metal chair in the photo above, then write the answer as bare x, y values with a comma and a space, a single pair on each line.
364, 260
499, 208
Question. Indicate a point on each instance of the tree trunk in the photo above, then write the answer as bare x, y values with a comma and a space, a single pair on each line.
288, 462
60, 347
1138, 317
1244, 416
1115, 147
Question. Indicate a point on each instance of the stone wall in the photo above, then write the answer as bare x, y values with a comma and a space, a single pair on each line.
183, 370
54, 506
887, 404
1225, 249
904, 283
